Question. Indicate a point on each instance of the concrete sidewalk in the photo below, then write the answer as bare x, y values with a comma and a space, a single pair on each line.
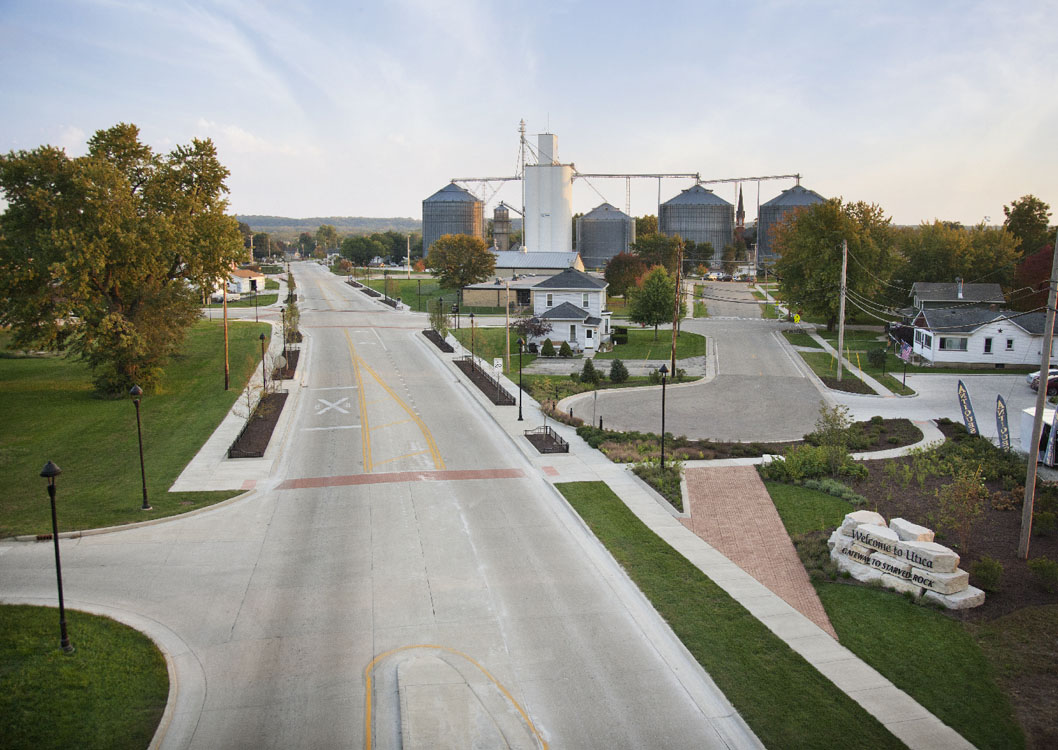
899, 713
880, 389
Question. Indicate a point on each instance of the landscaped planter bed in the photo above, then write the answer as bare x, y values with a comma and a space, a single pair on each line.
435, 339
253, 440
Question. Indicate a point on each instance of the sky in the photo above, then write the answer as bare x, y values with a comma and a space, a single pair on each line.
938, 110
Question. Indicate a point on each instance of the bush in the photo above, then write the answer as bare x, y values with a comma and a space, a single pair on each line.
618, 371
987, 573
565, 351
960, 504
588, 373
1044, 523
836, 489
548, 349
877, 419
620, 338
876, 357
1045, 572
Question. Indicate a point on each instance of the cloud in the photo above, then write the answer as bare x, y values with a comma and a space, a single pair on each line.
241, 141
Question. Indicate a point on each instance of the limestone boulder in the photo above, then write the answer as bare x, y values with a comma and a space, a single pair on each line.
968, 598
929, 555
910, 532
942, 583
890, 565
880, 538
899, 584
859, 517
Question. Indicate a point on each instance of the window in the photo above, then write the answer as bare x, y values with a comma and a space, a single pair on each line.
550, 299
988, 346
588, 333
523, 297
918, 337
949, 344
584, 300
927, 341
1010, 345
573, 332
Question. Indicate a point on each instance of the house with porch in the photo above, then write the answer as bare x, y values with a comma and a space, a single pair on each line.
978, 336
927, 294
574, 303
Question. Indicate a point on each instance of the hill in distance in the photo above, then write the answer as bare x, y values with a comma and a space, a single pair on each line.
288, 229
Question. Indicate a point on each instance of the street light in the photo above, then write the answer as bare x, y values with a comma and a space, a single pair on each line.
264, 376
136, 392
473, 359
455, 311
283, 319
385, 285
418, 291
664, 371
49, 472
521, 345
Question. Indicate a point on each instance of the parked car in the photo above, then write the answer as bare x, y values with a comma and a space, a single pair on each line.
1052, 384
1036, 375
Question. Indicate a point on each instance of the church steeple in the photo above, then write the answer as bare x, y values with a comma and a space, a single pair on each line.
740, 216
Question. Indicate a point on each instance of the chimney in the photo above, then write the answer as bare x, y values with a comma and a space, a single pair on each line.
958, 287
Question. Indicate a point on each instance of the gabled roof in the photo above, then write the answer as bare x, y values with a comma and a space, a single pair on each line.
928, 291
565, 311
246, 273
969, 319
571, 278
517, 259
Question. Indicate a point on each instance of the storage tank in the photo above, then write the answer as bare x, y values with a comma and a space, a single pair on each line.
548, 200
699, 215
602, 233
451, 210
775, 211
501, 228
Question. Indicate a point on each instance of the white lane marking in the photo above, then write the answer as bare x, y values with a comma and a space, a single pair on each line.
335, 388
337, 405
336, 427
379, 337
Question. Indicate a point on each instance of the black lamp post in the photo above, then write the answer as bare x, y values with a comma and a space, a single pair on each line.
521, 345
455, 311
49, 472
136, 392
473, 359
264, 375
418, 291
256, 291
664, 371
283, 319
385, 285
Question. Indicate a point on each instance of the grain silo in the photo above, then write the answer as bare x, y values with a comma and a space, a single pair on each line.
775, 211
699, 215
602, 233
451, 210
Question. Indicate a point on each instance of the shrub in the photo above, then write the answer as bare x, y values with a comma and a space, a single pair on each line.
574, 376
1044, 523
1008, 500
837, 489
877, 419
987, 573
564, 350
892, 440
618, 371
588, 373
548, 349
654, 377
1046, 573
960, 504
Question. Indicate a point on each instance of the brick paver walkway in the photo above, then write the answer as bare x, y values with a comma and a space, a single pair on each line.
731, 510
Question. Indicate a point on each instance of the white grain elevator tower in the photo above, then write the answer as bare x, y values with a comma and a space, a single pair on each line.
548, 200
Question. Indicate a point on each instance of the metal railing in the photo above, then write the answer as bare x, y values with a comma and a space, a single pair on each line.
494, 391
552, 443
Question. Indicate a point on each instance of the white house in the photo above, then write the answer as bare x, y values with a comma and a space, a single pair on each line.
574, 303
929, 294
244, 281
978, 336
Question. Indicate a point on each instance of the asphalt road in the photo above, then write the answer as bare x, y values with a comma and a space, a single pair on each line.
400, 527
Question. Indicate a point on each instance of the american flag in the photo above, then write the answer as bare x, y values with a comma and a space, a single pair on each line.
905, 351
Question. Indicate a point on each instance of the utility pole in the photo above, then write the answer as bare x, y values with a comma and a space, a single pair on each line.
408, 255
1037, 423
841, 305
676, 306
226, 369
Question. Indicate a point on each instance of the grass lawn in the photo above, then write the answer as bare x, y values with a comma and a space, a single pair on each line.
52, 413
490, 343
642, 345
271, 284
263, 300
109, 693
801, 339
825, 366
557, 387
701, 310
421, 295
803, 510
785, 701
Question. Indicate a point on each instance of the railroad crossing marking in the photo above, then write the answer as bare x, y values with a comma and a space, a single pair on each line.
337, 406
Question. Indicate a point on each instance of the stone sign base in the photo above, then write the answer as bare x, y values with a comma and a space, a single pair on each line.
902, 556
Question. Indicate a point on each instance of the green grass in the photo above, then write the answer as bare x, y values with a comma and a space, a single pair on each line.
801, 339
803, 510
263, 300
642, 345
559, 386
271, 284
855, 338
422, 294
856, 352
52, 413
701, 310
785, 701
825, 366
490, 343
928, 655
108, 694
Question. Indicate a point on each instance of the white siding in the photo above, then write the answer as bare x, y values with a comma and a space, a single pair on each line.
1025, 348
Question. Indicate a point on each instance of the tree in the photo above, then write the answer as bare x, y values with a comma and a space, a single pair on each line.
960, 503
622, 273
618, 371
104, 255
945, 251
261, 244
658, 250
361, 249
588, 373
306, 244
652, 303
646, 225
733, 256
326, 238
1030, 280
460, 259
698, 253
809, 246
1027, 219
529, 327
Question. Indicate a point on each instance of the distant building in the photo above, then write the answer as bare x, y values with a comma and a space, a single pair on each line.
935, 295
775, 212
519, 262
699, 215
451, 210
574, 303
602, 233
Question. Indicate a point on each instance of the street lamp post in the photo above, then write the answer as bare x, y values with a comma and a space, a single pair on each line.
521, 345
49, 472
256, 292
385, 285
473, 359
136, 392
264, 375
283, 320
455, 311
418, 291
664, 371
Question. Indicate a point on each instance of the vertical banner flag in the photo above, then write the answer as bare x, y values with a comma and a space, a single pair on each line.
1048, 455
905, 351
968, 417
1002, 427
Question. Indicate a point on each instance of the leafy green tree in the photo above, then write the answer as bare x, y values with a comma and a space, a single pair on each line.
623, 272
1026, 219
588, 373
326, 238
658, 250
733, 256
104, 255
565, 350
944, 251
548, 348
361, 249
460, 259
652, 303
698, 253
618, 371
809, 247
306, 244
261, 244
646, 225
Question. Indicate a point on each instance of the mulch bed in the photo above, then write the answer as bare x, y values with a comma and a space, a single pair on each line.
851, 385
370, 292
391, 302
287, 372
436, 340
498, 396
544, 443
253, 440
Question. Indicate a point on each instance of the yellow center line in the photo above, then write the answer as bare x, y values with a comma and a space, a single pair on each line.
325, 296
365, 432
391, 424
406, 455
370, 668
